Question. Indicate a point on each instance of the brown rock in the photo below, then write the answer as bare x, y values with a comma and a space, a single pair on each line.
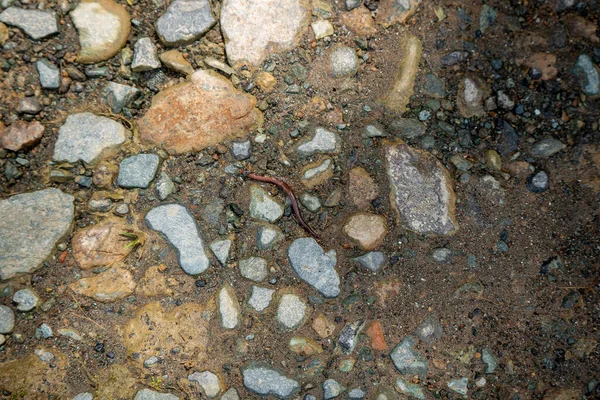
544, 62
105, 175
174, 60
101, 244
362, 188
359, 22
306, 346
154, 283
471, 94
393, 11
375, 333
21, 135
3, 33
323, 326
265, 81
386, 290
562, 394
317, 173
204, 112
366, 230
111, 285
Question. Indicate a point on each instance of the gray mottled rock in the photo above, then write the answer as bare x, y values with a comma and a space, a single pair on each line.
349, 336
410, 389
460, 386
291, 311
312, 203
231, 394
164, 186
37, 24
373, 261
374, 131
184, 21
546, 147
241, 150
408, 128
26, 300
253, 268
263, 206
322, 141
267, 236
229, 308
30, 105
422, 190
314, 266
117, 96
84, 396
44, 355
147, 394
588, 74
30, 226
44, 332
430, 330
434, 86
332, 389
538, 182
407, 361
179, 227
260, 298
471, 93
148, 363
7, 319
87, 137
49, 74
357, 394
145, 56
344, 62
352, 4
265, 381
220, 249
208, 382
442, 255
138, 171
490, 360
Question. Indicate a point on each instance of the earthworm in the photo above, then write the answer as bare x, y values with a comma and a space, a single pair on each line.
290, 194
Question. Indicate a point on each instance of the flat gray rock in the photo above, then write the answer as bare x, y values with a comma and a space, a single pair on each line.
220, 249
267, 236
372, 261
314, 266
138, 171
117, 96
25, 299
49, 74
546, 147
147, 394
266, 381
231, 394
260, 298
30, 226
37, 24
179, 227
291, 311
87, 137
253, 268
332, 389
164, 186
408, 128
407, 361
184, 21
263, 206
7, 319
145, 56
589, 75
322, 141
208, 382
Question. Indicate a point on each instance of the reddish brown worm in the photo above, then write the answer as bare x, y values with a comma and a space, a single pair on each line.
290, 194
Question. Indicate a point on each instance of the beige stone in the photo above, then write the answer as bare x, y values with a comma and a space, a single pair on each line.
105, 175
154, 283
174, 60
362, 188
317, 173
3, 33
204, 112
471, 94
366, 230
31, 375
396, 11
305, 346
359, 22
111, 285
21, 135
265, 81
324, 327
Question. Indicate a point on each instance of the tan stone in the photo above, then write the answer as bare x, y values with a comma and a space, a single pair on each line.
3, 33
111, 285
105, 175
265, 81
317, 173
362, 188
306, 346
359, 22
366, 230
32, 376
174, 60
562, 394
204, 112
116, 382
323, 326
390, 12
544, 62
21, 135
101, 244
154, 283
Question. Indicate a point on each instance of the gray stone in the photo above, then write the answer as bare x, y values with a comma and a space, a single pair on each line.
461, 163
253, 268
44, 332
348, 337
410, 389
44, 355
179, 227
260, 298
184, 21
30, 226
263, 206
372, 261
352, 4
471, 93
332, 389
102, 205
151, 361
442, 255
26, 300
538, 182
241, 150
231, 394
490, 360
84, 396
7, 319
357, 394
374, 131
487, 17
147, 394
504, 101
229, 308
460, 386
434, 86
588, 74
30, 105
407, 361
265, 381
220, 249
312, 203
291, 311
430, 330
164, 186
49, 74
422, 190
267, 236
138, 171
87, 137
145, 56
36, 23
208, 382
314, 266
408, 128
322, 141
344, 62
547, 147
117, 96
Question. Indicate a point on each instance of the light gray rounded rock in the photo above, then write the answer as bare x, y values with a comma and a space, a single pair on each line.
253, 268
145, 56
49, 74
241, 150
44, 332
26, 300
231, 394
332, 389
267, 236
164, 186
184, 21
117, 96
314, 266
372, 261
344, 62
311, 202
291, 311
265, 381
263, 206
588, 74
546, 147
147, 394
138, 171
7, 319
84, 396
37, 24
260, 298
322, 141
208, 382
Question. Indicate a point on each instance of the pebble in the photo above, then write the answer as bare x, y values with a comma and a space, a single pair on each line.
490, 360
175, 61
322, 141
367, 230
407, 360
253, 268
145, 55
344, 62
179, 227
407, 128
164, 186
487, 17
538, 182
260, 298
442, 255
268, 236
317, 173
138, 171
69, 333
374, 131
470, 98
208, 382
7, 319
241, 150
504, 101
399, 92
184, 22
26, 300
356, 394
312, 203
460, 386
151, 361
265, 381
147, 394
314, 266
332, 389
118, 96
49, 74
229, 308
352, 4
547, 147
430, 330
44, 355
509, 140
262, 205
588, 74
291, 311
454, 58
21, 135
410, 389
84, 396
231, 394
220, 249
348, 337
362, 189
30, 105
461, 163
37, 24
102, 205
391, 11
43, 332
434, 86
373, 261
322, 28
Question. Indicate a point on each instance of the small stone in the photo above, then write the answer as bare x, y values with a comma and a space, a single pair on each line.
184, 22
241, 150
322, 141
460, 163
408, 128
430, 330
490, 360
589, 75
538, 182
471, 93
305, 346
322, 28
360, 22
43, 332
547, 147
291, 311
374, 131
253, 268
265, 81
122, 209
332, 389
268, 236
263, 206
366, 230
504, 101
102, 205
442, 255
344, 62
459, 386
265, 381
434, 86
7, 319
314, 266
145, 55
219, 65
352, 4
117, 96
407, 361
356, 394
114, 284
26, 300
37, 24
487, 17
312, 203
208, 382
84, 396
147, 394
69, 333
375, 333
260, 298
175, 61
372, 261
393, 11
164, 186
44, 355
229, 308
49, 74
317, 173
30, 105
151, 361
348, 337
138, 171
231, 394
361, 188
454, 58
21, 135
396, 99
409, 389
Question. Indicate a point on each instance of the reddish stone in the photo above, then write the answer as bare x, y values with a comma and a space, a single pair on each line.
375, 333
21, 135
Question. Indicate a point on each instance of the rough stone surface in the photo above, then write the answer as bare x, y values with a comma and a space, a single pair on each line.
241, 150
229, 308
164, 186
30, 225
344, 61
547, 147
268, 236
311, 202
184, 21
175, 61
145, 55
253, 268
459, 386
322, 141
361, 188
471, 93
410, 389
373, 261
317, 173
314, 266
402, 88
332, 389
138, 171
147, 394
366, 230
396, 11
179, 227
266, 381
538, 182
422, 190
408, 128
360, 22
220, 249
7, 319
255, 29
103, 28
291, 311
49, 74
25, 299
260, 298
588, 74
348, 337
262, 206
430, 330
111, 285
21, 135
407, 361
322, 28
37, 24
117, 96
231, 394
208, 382
203, 112
87, 137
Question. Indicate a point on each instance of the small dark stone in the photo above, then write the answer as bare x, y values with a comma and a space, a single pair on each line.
535, 73
454, 58
200, 283
99, 347
570, 300
538, 182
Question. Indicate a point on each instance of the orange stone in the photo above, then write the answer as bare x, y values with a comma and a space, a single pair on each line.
375, 333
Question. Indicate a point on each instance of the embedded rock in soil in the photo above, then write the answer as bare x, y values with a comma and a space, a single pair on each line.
231, 394
184, 22
88, 137
375, 333
348, 337
361, 188
589, 75
111, 285
101, 244
408, 128
359, 21
366, 230
255, 29
373, 261
117, 96
7, 319
30, 226
253, 268
208, 382
138, 171
179, 227
393, 11
145, 56
322, 141
260, 298
85, 396
164, 186
459, 386
291, 311
21, 135
147, 394
344, 62
317, 173
265, 381
314, 266
332, 389
407, 361
430, 330
322, 28
538, 182
49, 74
305, 346
103, 28
26, 300
422, 192
547, 147
471, 93
175, 61
410, 389
229, 308
263, 206
203, 112
220, 249
267, 236
36, 23
322, 326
